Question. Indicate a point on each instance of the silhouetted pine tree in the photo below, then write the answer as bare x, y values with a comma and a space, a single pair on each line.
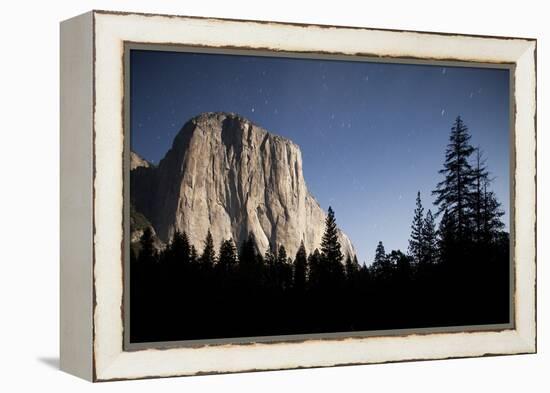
380, 253
227, 259
284, 269
485, 209
429, 235
193, 256
332, 271
259, 259
480, 177
492, 224
416, 241
330, 246
365, 275
381, 266
179, 249
247, 252
446, 238
401, 263
270, 256
300, 268
352, 268
453, 193
250, 262
208, 257
282, 258
148, 252
315, 269
270, 260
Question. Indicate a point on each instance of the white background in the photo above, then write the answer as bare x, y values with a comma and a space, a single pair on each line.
29, 196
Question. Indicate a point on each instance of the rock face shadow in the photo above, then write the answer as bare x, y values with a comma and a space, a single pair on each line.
50, 361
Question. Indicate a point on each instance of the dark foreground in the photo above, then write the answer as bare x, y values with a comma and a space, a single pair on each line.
174, 300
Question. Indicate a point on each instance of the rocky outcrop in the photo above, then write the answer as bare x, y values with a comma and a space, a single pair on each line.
137, 162
231, 176
138, 224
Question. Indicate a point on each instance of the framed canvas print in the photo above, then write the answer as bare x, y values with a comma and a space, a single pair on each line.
245, 195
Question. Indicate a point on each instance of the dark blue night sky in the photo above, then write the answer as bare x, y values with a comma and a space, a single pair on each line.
371, 134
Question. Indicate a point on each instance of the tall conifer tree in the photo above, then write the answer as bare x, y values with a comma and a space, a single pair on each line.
429, 236
315, 269
381, 266
284, 268
247, 252
270, 256
300, 268
208, 257
179, 249
228, 256
492, 224
480, 177
416, 241
380, 253
330, 246
453, 193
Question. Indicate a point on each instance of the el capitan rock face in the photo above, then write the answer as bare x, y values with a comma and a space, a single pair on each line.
228, 175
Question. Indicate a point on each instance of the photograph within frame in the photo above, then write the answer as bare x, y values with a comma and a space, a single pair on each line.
302, 336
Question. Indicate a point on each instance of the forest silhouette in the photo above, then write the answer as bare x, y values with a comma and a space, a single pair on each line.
455, 272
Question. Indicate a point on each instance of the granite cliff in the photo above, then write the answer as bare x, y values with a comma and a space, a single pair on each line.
226, 174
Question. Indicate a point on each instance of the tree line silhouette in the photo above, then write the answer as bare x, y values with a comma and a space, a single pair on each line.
455, 272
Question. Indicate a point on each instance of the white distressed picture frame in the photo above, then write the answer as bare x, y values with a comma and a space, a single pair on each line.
92, 146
